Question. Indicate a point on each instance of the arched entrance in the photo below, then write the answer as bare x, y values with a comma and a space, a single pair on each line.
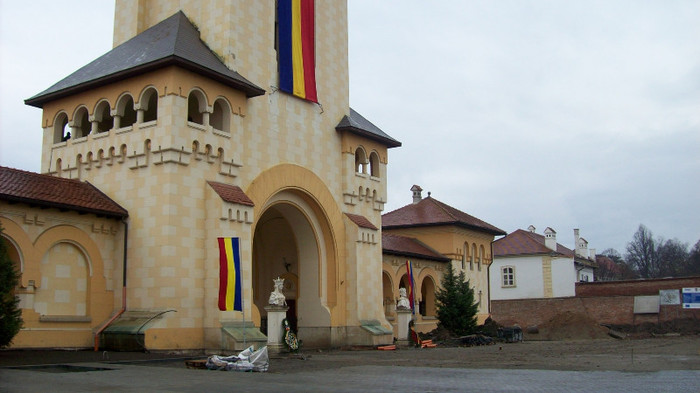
289, 242
427, 303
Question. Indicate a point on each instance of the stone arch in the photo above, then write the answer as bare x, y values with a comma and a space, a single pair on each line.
300, 197
388, 296
374, 164
18, 238
60, 129
103, 116
65, 282
481, 257
126, 112
148, 103
220, 118
196, 106
81, 122
360, 160
428, 280
96, 282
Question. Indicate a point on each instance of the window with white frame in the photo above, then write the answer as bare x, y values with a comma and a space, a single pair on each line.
508, 276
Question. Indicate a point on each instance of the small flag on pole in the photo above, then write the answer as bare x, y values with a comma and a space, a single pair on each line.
230, 290
409, 273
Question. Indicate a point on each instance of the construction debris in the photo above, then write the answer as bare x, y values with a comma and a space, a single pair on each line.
247, 360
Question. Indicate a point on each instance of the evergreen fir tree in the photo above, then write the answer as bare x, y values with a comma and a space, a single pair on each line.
10, 314
456, 308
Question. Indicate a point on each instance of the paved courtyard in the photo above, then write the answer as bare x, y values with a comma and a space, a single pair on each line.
654, 365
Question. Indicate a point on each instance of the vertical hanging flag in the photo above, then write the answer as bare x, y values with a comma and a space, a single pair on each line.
230, 290
409, 273
295, 37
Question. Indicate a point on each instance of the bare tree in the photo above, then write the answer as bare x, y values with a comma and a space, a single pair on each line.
642, 253
673, 258
693, 265
612, 267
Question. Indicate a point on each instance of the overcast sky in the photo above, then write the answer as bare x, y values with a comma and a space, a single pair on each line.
567, 114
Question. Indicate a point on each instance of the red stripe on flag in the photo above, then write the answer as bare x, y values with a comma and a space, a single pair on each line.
223, 274
308, 49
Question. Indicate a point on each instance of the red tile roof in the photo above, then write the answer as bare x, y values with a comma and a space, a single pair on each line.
230, 193
409, 247
431, 212
361, 221
523, 242
34, 189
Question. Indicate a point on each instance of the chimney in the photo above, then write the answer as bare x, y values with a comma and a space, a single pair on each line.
580, 245
531, 228
417, 196
592, 254
550, 238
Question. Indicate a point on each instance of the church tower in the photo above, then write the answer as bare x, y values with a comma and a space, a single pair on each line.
213, 119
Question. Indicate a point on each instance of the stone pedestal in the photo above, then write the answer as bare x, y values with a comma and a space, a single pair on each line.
275, 330
403, 317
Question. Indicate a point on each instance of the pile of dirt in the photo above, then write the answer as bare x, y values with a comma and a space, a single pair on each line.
570, 326
681, 326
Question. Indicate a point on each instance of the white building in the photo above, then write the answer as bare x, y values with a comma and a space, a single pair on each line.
529, 265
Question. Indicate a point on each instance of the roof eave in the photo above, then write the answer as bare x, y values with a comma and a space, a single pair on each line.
443, 224
390, 143
250, 89
415, 255
63, 206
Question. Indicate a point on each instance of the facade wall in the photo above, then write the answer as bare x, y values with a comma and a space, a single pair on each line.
460, 245
71, 265
425, 273
535, 277
281, 151
563, 277
528, 278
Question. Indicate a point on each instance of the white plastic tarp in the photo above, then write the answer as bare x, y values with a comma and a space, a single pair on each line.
247, 360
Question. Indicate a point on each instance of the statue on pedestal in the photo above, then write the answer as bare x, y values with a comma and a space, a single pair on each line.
277, 297
403, 303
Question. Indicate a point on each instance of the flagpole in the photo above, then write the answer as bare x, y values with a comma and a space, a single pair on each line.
242, 294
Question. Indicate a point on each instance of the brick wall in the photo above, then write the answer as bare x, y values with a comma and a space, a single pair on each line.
633, 287
605, 302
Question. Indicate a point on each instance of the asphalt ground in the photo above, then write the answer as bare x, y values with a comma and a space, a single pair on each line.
668, 365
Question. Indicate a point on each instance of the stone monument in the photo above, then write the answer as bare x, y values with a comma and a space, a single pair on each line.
276, 313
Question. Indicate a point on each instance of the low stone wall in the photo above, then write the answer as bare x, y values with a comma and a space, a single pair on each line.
634, 287
604, 302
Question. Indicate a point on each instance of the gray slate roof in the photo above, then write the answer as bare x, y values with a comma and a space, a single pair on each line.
357, 124
174, 41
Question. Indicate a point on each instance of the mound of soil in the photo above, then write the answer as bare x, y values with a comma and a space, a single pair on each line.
681, 326
571, 326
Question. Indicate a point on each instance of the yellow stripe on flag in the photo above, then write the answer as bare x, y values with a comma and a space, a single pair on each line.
297, 54
230, 288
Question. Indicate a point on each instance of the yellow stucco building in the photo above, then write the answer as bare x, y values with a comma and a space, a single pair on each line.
184, 127
185, 132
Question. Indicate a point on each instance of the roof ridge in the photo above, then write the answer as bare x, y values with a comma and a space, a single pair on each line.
443, 206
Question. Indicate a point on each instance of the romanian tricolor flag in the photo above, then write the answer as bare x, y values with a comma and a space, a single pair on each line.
297, 63
411, 285
230, 291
